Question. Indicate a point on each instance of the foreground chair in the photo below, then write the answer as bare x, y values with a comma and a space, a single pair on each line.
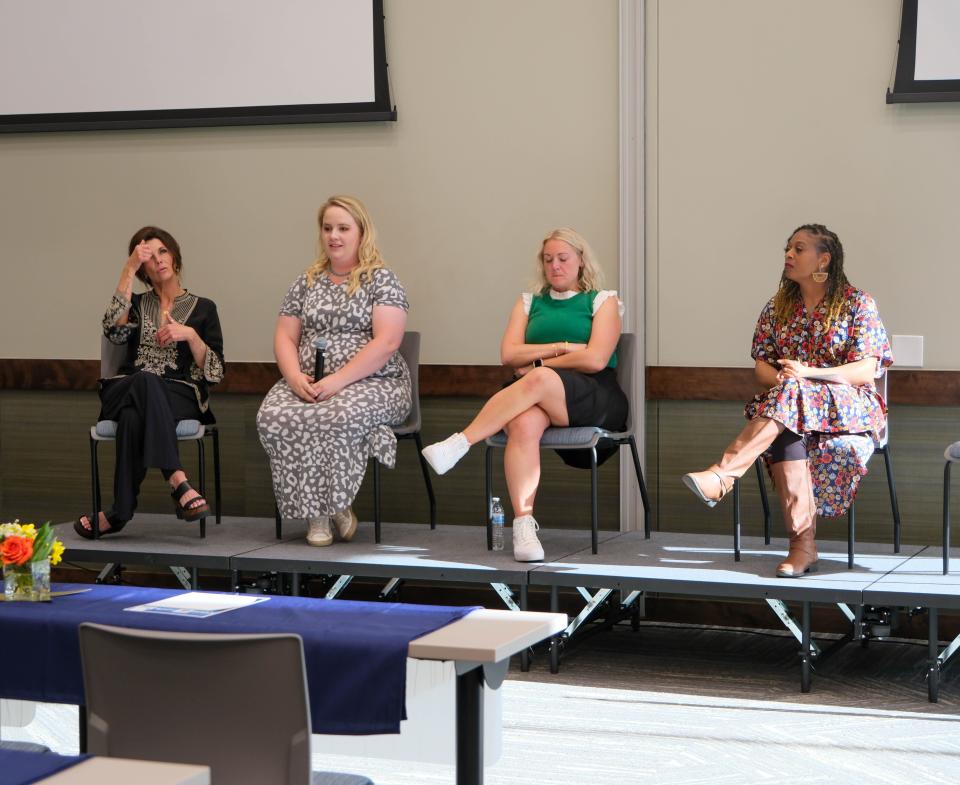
408, 429
952, 455
235, 703
111, 355
586, 438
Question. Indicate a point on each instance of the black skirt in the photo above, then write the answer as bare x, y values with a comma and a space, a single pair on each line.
593, 400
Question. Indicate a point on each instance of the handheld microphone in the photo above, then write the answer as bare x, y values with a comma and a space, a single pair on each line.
319, 344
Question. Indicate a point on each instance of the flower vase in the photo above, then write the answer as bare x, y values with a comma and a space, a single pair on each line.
29, 582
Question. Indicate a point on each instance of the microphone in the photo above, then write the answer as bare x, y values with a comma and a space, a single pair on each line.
319, 344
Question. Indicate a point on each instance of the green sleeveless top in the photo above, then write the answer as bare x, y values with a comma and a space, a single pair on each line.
556, 321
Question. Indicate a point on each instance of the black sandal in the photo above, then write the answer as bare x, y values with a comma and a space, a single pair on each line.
195, 509
87, 534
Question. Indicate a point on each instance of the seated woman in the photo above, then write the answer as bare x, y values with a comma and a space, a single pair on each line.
818, 346
561, 342
174, 352
319, 433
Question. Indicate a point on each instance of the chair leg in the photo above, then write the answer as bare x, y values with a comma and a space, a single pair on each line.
376, 500
488, 486
277, 519
736, 519
894, 506
95, 488
427, 481
594, 502
851, 534
216, 471
202, 479
643, 487
946, 518
764, 500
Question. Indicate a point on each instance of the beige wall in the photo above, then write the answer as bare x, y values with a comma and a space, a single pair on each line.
765, 114
508, 127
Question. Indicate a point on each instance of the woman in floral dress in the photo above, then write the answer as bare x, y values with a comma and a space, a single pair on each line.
818, 346
319, 433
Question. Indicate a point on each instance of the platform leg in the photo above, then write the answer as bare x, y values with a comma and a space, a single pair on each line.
525, 654
470, 727
806, 665
555, 640
933, 660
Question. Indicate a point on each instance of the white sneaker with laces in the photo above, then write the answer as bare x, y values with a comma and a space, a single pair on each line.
526, 546
346, 523
320, 533
443, 456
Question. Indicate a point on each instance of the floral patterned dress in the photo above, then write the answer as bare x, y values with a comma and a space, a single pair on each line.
838, 421
318, 451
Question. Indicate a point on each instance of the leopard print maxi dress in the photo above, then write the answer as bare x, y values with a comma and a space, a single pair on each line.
318, 451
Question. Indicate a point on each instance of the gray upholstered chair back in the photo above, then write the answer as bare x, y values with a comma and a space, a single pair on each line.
626, 360
111, 356
237, 703
410, 351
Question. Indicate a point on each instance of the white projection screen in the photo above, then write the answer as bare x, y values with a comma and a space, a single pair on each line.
100, 64
928, 61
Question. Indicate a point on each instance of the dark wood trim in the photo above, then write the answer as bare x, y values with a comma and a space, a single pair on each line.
664, 383
673, 383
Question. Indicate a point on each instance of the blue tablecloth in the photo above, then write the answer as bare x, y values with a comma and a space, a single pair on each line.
22, 768
355, 651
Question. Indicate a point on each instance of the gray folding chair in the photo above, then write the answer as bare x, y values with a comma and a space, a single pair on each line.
952, 455
881, 444
235, 703
111, 355
408, 429
585, 438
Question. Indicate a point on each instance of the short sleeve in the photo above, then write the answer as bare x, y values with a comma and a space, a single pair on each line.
764, 345
868, 336
527, 298
387, 290
292, 304
602, 296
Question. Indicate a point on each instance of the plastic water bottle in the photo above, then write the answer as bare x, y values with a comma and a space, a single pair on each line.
496, 521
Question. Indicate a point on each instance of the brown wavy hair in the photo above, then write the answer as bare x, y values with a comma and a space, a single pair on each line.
788, 295
156, 233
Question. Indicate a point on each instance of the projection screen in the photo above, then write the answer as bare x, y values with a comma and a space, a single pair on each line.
99, 64
928, 60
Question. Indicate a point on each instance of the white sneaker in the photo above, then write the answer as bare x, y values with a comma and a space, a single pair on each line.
320, 533
526, 546
443, 456
345, 523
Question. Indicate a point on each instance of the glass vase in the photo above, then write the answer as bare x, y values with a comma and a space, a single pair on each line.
27, 582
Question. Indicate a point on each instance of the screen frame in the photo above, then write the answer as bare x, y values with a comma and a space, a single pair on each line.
907, 89
378, 110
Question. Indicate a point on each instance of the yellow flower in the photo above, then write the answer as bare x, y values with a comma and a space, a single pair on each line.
28, 529
56, 552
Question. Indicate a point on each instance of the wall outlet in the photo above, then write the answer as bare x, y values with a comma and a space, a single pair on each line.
907, 351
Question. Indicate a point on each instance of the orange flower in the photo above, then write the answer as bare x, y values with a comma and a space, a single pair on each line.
16, 550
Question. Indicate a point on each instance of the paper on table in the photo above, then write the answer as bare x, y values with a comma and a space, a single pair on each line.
827, 376
198, 605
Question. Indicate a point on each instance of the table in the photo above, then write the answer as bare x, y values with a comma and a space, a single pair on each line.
479, 641
23, 767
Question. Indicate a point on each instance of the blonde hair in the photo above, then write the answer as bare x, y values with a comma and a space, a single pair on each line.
590, 277
368, 254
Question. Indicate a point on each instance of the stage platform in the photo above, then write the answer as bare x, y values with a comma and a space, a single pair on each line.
612, 582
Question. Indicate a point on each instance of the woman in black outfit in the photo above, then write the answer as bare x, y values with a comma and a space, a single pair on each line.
174, 352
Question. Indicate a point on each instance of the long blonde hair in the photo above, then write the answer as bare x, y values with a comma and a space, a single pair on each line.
590, 276
368, 254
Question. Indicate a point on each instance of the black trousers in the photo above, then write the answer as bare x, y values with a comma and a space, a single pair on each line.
146, 408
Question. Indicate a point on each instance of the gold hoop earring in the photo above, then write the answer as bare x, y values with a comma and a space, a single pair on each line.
820, 276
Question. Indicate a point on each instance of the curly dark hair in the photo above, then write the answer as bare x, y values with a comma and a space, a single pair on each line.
788, 295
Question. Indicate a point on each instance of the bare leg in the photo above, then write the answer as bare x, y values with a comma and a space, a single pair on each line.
541, 387
521, 459
175, 479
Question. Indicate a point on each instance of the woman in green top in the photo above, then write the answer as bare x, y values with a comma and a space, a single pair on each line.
561, 343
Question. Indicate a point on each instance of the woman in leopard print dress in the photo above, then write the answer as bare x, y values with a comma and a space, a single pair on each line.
319, 433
